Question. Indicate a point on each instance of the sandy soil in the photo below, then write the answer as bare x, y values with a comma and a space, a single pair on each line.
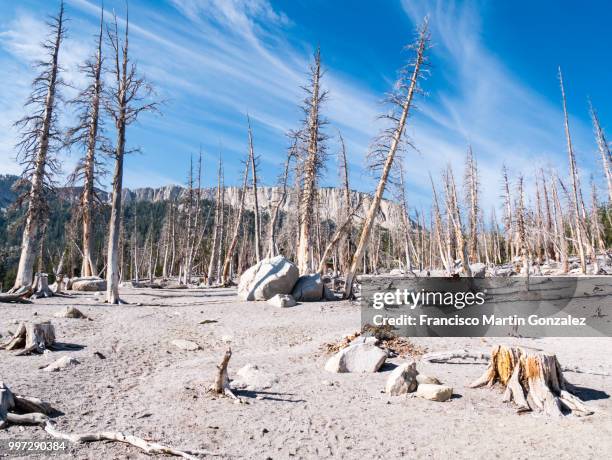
150, 388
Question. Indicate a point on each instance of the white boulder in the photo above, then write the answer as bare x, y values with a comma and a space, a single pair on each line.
402, 380
282, 301
426, 379
267, 278
252, 378
360, 357
309, 288
434, 392
89, 284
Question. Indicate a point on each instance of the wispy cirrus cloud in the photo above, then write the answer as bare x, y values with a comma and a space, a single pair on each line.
483, 103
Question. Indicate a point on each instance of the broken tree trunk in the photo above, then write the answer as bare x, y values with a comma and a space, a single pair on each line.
533, 380
32, 337
221, 385
41, 286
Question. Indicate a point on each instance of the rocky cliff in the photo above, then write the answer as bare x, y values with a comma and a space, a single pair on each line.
330, 200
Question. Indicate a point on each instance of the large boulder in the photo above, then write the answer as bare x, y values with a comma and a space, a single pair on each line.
267, 278
361, 357
309, 288
402, 380
89, 284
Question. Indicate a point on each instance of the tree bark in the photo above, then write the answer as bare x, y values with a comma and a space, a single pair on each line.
395, 140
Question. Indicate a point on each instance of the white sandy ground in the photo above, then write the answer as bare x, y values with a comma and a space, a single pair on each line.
152, 389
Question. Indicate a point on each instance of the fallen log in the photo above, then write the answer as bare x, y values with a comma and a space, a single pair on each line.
25, 410
14, 298
533, 380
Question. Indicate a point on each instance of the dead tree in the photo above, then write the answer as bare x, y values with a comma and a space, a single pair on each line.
596, 225
521, 229
231, 250
452, 206
445, 256
559, 227
508, 221
291, 154
471, 184
313, 161
578, 223
407, 230
347, 246
406, 87
253, 160
604, 151
128, 96
39, 142
87, 133
216, 226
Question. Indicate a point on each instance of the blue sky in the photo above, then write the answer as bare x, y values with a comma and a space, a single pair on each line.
493, 83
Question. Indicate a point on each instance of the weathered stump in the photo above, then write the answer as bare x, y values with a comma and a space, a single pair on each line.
221, 385
32, 337
533, 381
41, 286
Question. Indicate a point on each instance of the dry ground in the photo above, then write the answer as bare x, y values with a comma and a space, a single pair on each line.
150, 388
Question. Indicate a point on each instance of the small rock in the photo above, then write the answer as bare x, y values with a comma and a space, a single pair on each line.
282, 301
70, 312
250, 377
478, 270
434, 392
185, 344
327, 383
360, 357
402, 380
426, 379
62, 363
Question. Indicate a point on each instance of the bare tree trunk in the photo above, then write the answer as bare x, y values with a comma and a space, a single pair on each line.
35, 149
232, 247
455, 220
215, 242
406, 101
508, 222
91, 123
348, 245
562, 242
311, 165
272, 249
604, 150
575, 183
128, 91
253, 161
471, 179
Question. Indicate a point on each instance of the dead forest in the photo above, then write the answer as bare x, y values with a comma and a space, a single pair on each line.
148, 295
547, 220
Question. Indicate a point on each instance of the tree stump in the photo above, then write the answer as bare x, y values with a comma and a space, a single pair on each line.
41, 286
221, 384
533, 380
32, 337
